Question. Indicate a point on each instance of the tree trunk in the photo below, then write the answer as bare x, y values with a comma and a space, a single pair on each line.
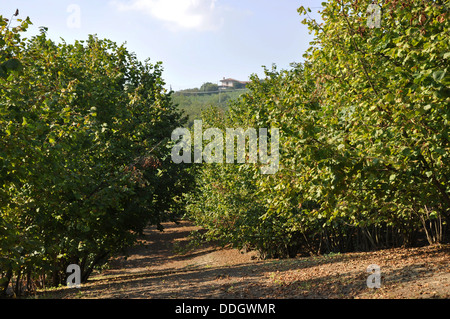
7, 279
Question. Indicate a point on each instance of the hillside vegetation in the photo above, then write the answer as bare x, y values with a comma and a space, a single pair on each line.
193, 102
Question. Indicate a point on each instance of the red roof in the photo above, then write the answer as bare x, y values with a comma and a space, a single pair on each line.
233, 80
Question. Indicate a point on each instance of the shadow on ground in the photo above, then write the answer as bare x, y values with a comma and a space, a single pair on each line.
153, 270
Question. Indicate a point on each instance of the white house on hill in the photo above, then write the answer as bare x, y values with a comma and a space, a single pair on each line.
232, 84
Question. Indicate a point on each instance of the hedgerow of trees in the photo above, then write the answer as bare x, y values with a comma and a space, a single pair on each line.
84, 165
364, 124
364, 121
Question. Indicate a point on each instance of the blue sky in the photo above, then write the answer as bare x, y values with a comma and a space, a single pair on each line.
197, 40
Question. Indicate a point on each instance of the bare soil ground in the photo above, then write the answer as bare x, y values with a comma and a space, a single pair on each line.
156, 269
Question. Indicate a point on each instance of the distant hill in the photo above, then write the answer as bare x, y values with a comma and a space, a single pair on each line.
194, 101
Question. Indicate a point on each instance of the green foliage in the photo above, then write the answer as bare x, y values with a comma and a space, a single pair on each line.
10, 44
85, 152
364, 144
209, 87
84, 164
193, 102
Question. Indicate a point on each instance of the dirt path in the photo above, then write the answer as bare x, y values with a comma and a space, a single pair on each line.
154, 270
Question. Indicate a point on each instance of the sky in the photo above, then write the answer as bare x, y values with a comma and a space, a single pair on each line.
197, 41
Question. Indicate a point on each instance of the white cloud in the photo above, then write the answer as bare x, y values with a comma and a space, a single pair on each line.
178, 14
